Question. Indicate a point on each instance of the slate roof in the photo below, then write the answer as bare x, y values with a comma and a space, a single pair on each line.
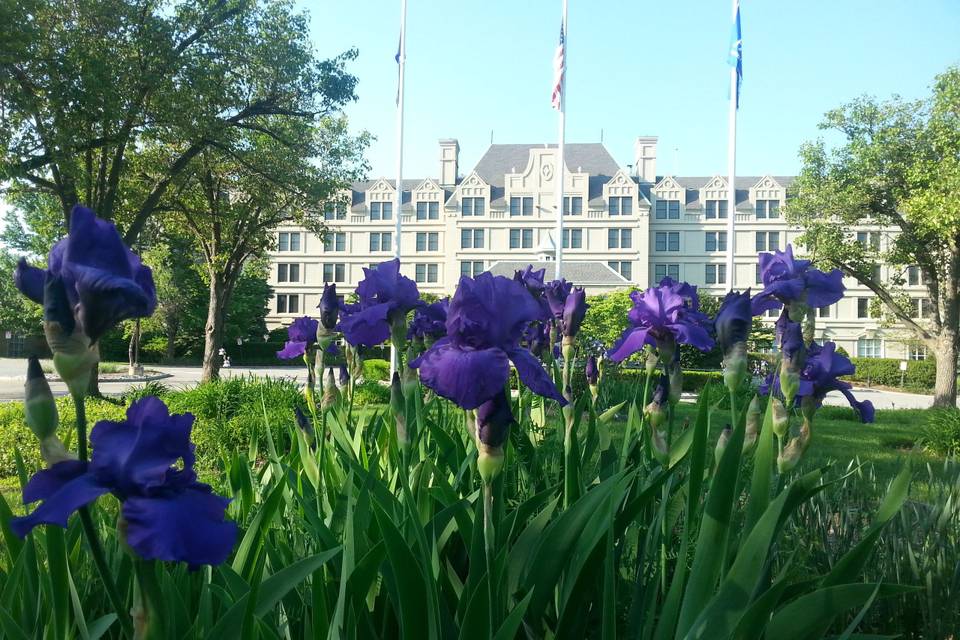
589, 157
580, 272
693, 184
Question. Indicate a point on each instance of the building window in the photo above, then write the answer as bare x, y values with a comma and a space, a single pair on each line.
866, 310
471, 238
521, 206
768, 240
573, 238
623, 267
668, 210
428, 241
916, 352
471, 207
335, 211
288, 241
620, 205
661, 271
823, 312
773, 313
768, 209
573, 206
288, 272
619, 238
428, 211
716, 209
335, 272
521, 238
716, 273
288, 303
758, 278
869, 240
914, 276
922, 308
425, 272
335, 241
716, 241
381, 210
667, 241
869, 348
381, 241
471, 268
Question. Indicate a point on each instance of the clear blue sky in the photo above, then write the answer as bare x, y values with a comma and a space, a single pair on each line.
634, 68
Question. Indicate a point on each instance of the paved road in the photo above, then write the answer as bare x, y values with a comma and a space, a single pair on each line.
12, 372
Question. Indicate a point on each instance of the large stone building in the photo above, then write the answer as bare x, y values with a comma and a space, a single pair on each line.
623, 227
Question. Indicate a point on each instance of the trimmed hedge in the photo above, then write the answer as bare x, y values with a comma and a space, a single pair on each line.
692, 380
375, 369
920, 374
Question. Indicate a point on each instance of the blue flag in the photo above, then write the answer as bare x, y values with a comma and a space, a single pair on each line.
735, 56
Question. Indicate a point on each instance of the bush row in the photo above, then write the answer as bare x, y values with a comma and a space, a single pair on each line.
920, 374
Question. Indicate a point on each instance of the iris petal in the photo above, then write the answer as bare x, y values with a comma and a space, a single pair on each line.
532, 374
468, 377
188, 526
58, 506
629, 343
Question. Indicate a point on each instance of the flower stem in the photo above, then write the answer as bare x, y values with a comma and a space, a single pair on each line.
150, 620
90, 531
489, 544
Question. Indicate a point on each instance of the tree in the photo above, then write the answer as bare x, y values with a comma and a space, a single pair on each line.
85, 84
232, 203
898, 167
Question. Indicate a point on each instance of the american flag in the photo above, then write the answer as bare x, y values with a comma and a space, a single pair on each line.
559, 67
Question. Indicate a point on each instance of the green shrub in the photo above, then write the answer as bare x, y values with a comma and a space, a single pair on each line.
941, 433
15, 436
370, 392
376, 369
920, 374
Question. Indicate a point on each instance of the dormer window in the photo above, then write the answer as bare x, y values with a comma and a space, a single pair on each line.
620, 205
471, 207
428, 211
715, 209
521, 206
381, 210
768, 209
668, 210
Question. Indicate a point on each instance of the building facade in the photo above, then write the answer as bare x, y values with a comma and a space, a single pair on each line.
624, 227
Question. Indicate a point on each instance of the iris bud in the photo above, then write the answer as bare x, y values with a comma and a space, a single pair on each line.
781, 419
791, 455
659, 446
676, 383
754, 417
789, 381
344, 375
655, 414
735, 366
40, 409
722, 442
331, 394
650, 364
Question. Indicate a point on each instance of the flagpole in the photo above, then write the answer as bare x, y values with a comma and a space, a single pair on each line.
394, 356
731, 174
558, 241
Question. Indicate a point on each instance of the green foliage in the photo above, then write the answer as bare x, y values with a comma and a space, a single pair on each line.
920, 375
941, 433
370, 393
17, 314
375, 369
606, 320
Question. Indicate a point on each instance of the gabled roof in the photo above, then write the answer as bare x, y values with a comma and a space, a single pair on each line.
693, 184
579, 272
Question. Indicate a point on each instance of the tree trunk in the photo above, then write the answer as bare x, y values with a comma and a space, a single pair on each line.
133, 351
945, 387
213, 339
171, 350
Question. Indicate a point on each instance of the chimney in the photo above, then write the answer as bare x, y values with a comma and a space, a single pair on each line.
645, 158
449, 157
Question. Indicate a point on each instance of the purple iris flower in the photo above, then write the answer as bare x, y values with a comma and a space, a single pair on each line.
429, 322
532, 280
556, 293
786, 280
820, 375
385, 299
734, 320
494, 418
574, 311
591, 371
92, 278
661, 315
301, 335
329, 307
685, 290
486, 319
147, 463
537, 338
